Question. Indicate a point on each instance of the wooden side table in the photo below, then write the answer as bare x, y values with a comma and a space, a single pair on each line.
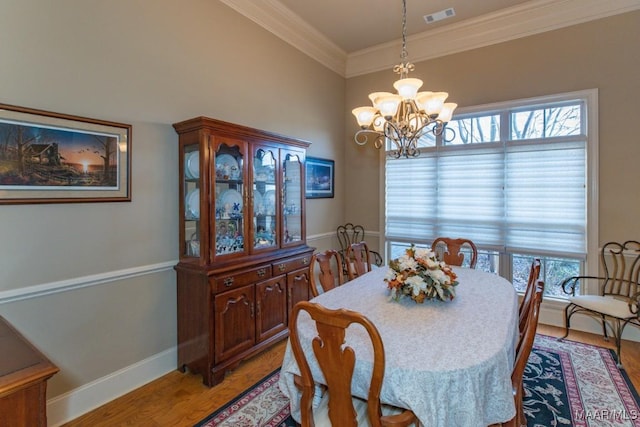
24, 372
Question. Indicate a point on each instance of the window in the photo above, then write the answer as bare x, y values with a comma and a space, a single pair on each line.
518, 178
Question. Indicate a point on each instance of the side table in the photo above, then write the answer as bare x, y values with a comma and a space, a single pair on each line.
24, 372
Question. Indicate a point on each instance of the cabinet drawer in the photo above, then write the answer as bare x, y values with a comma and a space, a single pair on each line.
290, 264
240, 278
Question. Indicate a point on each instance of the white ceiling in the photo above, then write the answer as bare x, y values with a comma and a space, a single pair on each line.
358, 24
354, 37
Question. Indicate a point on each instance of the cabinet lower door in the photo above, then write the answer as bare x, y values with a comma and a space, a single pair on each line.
298, 287
271, 313
235, 329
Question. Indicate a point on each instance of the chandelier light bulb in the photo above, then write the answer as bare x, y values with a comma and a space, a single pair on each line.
374, 96
388, 105
433, 104
364, 116
408, 88
447, 111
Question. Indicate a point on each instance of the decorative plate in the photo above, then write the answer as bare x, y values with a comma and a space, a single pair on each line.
192, 204
227, 167
230, 201
270, 202
192, 165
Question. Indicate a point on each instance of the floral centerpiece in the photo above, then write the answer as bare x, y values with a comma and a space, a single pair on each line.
419, 275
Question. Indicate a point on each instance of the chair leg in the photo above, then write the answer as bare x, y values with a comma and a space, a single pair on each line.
618, 337
604, 328
567, 319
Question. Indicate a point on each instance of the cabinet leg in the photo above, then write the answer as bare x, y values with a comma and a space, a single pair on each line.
214, 378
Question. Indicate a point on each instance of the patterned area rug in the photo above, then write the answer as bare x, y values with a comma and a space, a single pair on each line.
566, 384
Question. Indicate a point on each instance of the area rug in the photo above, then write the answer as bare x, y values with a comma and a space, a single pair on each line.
566, 384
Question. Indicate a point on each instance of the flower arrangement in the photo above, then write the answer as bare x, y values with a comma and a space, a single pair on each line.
421, 276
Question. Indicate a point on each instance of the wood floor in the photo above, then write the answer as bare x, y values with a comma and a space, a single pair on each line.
178, 399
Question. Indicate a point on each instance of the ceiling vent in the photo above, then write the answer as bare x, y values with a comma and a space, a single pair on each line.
439, 16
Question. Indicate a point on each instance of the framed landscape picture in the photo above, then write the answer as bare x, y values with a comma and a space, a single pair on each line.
48, 157
319, 178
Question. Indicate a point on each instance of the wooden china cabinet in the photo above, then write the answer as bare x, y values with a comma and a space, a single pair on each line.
244, 261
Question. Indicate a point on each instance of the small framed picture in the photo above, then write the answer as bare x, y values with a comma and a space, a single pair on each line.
319, 178
49, 157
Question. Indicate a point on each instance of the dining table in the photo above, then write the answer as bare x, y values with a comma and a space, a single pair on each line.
449, 362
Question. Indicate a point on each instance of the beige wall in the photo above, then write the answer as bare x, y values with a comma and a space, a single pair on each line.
150, 63
155, 62
603, 54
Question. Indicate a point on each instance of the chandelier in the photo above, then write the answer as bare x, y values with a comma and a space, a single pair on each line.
407, 116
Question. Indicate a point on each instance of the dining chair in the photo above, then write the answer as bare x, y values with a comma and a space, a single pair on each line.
358, 260
326, 271
523, 309
452, 251
337, 360
523, 351
617, 303
348, 234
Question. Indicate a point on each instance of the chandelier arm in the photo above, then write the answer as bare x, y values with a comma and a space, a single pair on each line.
362, 136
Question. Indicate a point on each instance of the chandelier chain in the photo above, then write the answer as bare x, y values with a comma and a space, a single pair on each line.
404, 53
404, 67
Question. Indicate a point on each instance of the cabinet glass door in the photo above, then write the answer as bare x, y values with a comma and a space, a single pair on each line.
292, 198
229, 200
192, 205
265, 199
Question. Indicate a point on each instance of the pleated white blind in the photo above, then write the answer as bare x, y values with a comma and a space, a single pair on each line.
517, 195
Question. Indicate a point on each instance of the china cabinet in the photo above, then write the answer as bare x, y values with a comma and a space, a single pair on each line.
244, 261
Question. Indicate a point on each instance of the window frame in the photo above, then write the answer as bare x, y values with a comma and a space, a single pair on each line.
590, 121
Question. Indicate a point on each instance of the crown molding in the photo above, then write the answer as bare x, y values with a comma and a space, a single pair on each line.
279, 20
522, 20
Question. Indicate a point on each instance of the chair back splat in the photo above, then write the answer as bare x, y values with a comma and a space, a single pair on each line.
326, 271
337, 360
617, 302
358, 260
452, 251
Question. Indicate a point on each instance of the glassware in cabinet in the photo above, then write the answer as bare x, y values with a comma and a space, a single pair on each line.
265, 207
229, 228
292, 202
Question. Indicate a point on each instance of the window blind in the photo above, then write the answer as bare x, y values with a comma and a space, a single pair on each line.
517, 196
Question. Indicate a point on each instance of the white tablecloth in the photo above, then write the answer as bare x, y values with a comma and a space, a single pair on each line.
450, 363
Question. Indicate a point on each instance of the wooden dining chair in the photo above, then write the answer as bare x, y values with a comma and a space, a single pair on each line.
452, 251
349, 233
326, 271
524, 347
336, 360
617, 303
523, 309
358, 260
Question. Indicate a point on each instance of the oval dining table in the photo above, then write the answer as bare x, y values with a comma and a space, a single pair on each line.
449, 362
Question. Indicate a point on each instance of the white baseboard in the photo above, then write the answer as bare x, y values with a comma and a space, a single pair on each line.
68, 406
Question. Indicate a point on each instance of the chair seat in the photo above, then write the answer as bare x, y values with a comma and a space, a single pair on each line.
607, 305
321, 412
